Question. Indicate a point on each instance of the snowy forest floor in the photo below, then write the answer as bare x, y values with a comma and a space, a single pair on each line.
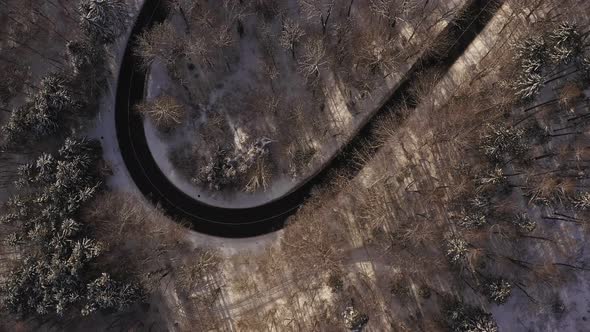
315, 119
265, 287
258, 292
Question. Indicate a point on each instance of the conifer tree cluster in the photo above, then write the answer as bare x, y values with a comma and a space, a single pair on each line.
55, 272
65, 94
537, 57
462, 317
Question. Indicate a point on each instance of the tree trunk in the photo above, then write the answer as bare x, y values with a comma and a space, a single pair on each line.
350, 8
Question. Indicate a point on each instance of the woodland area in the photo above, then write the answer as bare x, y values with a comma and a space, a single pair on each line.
262, 90
468, 209
49, 253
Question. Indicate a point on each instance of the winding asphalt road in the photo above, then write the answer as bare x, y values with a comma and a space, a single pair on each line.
247, 222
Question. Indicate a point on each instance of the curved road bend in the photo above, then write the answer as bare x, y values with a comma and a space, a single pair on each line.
246, 222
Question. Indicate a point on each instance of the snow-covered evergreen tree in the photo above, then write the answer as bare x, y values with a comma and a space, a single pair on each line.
494, 176
56, 274
224, 168
524, 223
88, 61
40, 171
536, 56
42, 115
473, 213
462, 317
531, 57
498, 290
456, 249
565, 43
56, 94
83, 54
500, 141
103, 20
354, 320
529, 85
106, 293
471, 219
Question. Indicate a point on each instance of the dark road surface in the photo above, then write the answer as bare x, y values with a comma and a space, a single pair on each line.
247, 222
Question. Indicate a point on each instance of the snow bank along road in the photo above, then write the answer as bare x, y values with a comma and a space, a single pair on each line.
246, 222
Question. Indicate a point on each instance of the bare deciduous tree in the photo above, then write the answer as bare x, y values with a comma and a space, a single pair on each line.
290, 35
165, 111
314, 9
312, 60
392, 10
198, 49
161, 42
260, 178
199, 271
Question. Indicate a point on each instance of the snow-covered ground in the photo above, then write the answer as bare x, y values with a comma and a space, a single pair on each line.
104, 125
513, 316
227, 199
160, 148
344, 118
271, 297
519, 313
104, 130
